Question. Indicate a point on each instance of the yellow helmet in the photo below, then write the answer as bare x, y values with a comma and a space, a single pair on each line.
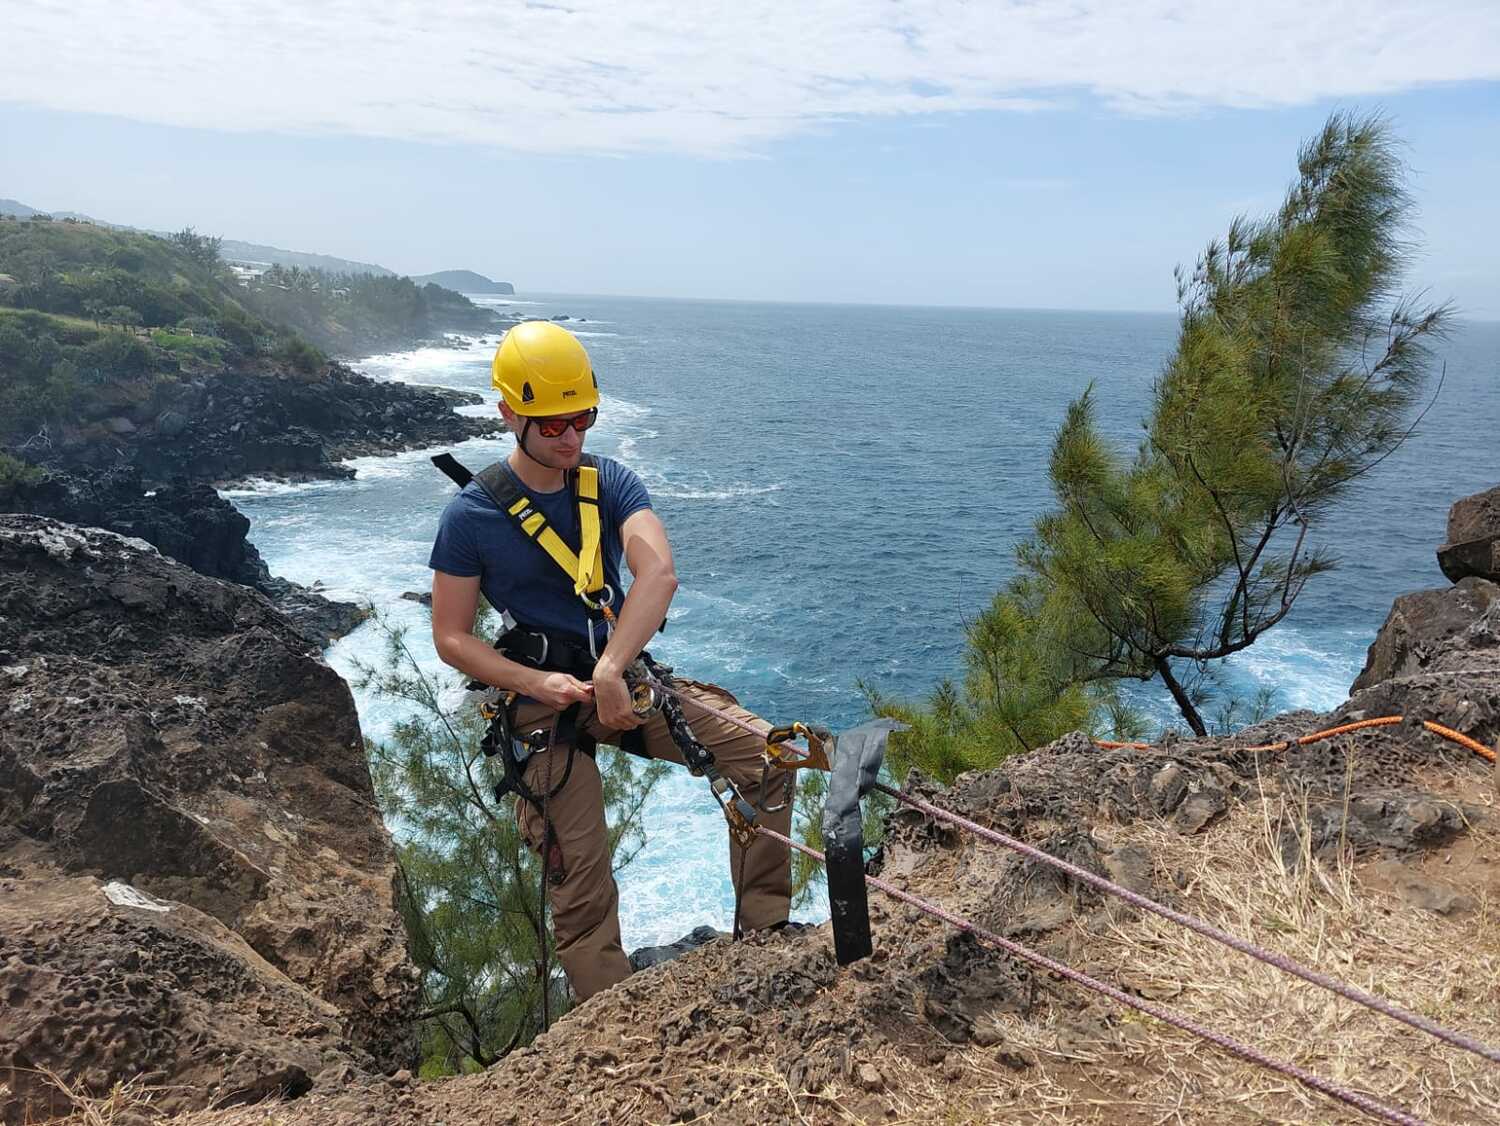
541, 369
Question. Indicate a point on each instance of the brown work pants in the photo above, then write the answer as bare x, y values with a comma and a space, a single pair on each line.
585, 903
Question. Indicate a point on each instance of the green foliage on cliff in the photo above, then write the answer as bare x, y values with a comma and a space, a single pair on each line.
91, 306
1298, 369
347, 313
14, 474
77, 269
469, 886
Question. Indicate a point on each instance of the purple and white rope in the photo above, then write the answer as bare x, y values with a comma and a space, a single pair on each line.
1160, 1012
1208, 930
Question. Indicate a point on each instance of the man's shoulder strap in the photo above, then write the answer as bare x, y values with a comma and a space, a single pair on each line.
585, 566
501, 486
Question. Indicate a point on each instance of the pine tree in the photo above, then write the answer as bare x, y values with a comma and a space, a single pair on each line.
469, 888
1297, 371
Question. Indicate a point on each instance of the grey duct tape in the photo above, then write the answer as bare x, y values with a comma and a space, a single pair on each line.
857, 755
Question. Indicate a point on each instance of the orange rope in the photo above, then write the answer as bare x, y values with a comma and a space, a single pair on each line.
1343, 729
1462, 740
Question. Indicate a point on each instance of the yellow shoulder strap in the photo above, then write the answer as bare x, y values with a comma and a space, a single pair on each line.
586, 568
589, 574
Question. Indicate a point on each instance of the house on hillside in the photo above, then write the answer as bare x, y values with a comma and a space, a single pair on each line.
245, 271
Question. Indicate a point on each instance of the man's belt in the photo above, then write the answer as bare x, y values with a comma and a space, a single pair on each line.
554, 652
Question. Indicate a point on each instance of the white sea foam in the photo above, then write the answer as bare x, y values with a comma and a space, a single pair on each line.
1305, 674
727, 493
425, 366
400, 464
271, 487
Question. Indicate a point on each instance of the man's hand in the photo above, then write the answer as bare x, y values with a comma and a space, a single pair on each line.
612, 700
559, 690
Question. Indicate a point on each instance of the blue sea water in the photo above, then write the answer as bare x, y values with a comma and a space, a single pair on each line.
844, 486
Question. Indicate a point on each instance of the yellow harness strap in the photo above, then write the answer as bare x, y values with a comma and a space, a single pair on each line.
589, 575
586, 568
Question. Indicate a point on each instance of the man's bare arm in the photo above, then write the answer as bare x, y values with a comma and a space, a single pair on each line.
648, 554
454, 602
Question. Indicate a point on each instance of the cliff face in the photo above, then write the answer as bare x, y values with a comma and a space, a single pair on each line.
244, 423
141, 462
195, 885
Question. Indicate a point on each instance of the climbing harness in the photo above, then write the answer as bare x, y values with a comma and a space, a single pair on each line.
585, 567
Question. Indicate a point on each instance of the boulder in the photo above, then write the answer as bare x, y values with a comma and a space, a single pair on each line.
191, 523
1436, 630
1473, 547
195, 883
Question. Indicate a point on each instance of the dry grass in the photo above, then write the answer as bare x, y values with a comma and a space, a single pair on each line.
1116, 1066
1319, 913
132, 1103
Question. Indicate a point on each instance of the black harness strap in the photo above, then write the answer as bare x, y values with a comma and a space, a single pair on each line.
453, 469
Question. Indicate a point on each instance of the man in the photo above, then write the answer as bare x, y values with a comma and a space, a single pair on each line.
551, 560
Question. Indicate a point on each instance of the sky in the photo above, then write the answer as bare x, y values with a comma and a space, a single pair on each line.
1015, 153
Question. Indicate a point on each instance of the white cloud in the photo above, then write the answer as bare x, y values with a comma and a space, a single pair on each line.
621, 76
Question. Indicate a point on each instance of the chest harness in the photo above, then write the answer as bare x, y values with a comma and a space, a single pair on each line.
651, 691
551, 651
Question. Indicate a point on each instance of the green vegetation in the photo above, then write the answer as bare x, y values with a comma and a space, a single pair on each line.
339, 311
15, 474
1297, 371
469, 886
93, 306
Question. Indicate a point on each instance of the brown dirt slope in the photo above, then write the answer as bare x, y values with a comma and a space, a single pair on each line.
1373, 857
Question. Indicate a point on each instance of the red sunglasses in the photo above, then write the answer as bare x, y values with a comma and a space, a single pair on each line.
557, 427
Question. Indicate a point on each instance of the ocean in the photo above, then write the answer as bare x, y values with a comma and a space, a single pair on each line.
844, 487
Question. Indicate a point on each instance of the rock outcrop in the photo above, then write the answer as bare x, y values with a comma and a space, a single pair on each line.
195, 884
244, 423
192, 524
1473, 547
1430, 631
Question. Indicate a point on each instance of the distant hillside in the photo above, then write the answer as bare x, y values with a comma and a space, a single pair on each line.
466, 281
233, 250
21, 211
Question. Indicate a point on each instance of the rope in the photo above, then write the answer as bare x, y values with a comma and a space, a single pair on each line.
1208, 930
1342, 729
546, 861
1160, 1012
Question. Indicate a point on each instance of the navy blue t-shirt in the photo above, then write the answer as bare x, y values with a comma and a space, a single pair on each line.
475, 538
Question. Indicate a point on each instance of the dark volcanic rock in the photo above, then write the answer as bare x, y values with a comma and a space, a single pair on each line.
191, 523
1473, 546
248, 422
1475, 516
197, 887
646, 956
1434, 631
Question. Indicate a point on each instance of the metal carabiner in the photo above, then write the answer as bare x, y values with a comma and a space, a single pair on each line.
606, 600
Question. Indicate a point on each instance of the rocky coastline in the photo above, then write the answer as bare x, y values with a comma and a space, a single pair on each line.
146, 463
195, 894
